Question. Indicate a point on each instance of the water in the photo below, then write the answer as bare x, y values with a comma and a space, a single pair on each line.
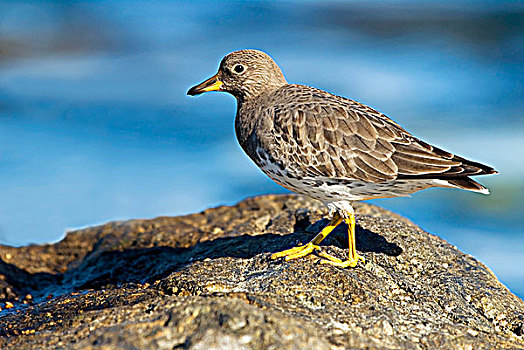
95, 124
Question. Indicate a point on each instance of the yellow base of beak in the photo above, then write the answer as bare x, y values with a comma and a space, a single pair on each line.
211, 84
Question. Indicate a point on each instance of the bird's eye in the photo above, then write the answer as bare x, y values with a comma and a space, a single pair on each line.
238, 68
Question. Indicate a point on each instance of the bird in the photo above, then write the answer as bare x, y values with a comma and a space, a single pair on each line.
329, 147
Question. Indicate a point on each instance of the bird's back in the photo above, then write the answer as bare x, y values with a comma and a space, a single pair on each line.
306, 138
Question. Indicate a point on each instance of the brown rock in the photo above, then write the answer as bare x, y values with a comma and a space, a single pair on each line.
205, 281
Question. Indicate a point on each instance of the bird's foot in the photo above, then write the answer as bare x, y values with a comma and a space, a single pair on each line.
296, 252
351, 262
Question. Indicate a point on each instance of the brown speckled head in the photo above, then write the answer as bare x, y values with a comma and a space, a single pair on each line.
244, 74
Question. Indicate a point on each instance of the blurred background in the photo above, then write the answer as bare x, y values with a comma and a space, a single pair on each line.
95, 124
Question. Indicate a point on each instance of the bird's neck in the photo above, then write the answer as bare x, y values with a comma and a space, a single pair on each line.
247, 117
249, 111
245, 120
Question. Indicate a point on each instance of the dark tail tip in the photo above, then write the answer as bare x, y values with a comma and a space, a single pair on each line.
466, 183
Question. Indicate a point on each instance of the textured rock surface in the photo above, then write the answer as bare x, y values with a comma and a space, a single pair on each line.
205, 281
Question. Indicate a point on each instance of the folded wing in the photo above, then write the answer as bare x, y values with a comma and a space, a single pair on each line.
326, 135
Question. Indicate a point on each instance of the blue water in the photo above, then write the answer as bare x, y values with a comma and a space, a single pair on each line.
95, 124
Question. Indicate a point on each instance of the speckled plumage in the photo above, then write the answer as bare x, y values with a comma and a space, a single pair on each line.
329, 147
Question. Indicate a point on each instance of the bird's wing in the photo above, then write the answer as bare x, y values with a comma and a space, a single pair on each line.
319, 134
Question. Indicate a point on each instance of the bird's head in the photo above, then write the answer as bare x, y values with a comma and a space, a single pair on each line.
244, 74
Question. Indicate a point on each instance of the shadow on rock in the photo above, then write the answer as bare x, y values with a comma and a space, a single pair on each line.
15, 281
100, 269
367, 241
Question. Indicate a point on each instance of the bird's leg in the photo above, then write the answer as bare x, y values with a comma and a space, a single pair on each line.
353, 256
300, 251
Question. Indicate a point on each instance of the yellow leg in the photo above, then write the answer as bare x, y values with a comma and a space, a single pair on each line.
353, 256
300, 251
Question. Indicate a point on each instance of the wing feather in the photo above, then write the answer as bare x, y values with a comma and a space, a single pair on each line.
338, 137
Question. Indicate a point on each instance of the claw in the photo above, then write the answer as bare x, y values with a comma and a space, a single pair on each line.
296, 252
331, 260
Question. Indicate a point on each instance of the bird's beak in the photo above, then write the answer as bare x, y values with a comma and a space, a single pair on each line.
211, 84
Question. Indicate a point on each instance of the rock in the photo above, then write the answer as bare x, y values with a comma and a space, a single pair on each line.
205, 281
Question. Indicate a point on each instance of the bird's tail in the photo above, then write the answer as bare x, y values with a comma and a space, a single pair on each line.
464, 183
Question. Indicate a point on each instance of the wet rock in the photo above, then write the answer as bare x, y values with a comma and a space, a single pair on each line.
205, 281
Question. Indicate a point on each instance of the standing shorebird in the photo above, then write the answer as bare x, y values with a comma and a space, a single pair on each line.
329, 147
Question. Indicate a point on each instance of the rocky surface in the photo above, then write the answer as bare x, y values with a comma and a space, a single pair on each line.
205, 281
